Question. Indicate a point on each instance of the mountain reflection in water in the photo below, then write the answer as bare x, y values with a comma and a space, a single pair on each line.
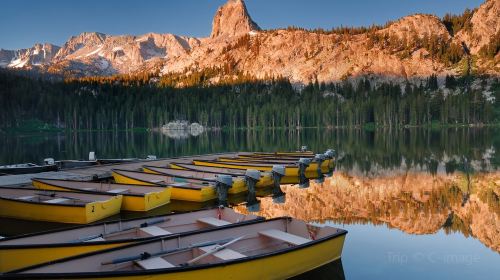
414, 202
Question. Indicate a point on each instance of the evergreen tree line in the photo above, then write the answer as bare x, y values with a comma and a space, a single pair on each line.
126, 102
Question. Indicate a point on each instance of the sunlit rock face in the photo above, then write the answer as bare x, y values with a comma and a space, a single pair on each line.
232, 19
238, 43
414, 202
485, 24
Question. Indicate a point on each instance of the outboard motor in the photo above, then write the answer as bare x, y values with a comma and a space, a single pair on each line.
278, 173
303, 164
151, 157
251, 179
303, 149
330, 154
49, 161
319, 158
222, 185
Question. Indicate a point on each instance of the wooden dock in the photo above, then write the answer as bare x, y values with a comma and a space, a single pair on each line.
97, 171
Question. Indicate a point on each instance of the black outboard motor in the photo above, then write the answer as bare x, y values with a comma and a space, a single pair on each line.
251, 179
222, 185
330, 154
303, 164
319, 158
278, 173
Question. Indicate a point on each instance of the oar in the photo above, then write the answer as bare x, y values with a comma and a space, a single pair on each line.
143, 225
147, 255
214, 250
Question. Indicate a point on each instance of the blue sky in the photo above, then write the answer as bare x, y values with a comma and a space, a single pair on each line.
26, 22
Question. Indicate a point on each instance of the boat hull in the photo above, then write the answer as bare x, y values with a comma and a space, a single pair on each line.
238, 186
72, 214
276, 266
313, 166
177, 193
28, 170
291, 173
134, 203
266, 180
29, 250
16, 258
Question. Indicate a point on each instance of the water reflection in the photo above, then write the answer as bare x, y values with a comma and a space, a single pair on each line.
414, 202
365, 152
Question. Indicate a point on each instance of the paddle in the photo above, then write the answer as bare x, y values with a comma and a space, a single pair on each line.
214, 250
147, 255
143, 225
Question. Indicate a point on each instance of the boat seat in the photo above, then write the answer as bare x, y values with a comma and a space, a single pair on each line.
213, 221
225, 254
28, 197
155, 231
284, 236
154, 263
117, 191
209, 178
88, 189
57, 200
179, 184
96, 239
157, 181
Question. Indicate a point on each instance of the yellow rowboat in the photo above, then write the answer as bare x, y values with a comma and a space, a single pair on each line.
265, 180
291, 171
298, 153
238, 183
56, 206
277, 249
312, 166
33, 249
135, 197
180, 190
328, 156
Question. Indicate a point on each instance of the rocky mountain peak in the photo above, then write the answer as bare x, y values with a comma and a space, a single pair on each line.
232, 19
485, 24
82, 41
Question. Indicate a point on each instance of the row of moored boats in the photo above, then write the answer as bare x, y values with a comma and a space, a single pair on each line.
67, 201
210, 243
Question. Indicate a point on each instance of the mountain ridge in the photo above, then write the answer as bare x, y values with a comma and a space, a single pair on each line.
411, 48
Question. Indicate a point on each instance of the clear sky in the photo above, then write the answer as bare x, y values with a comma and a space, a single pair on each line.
25, 22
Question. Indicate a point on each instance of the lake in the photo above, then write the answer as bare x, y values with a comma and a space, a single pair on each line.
418, 203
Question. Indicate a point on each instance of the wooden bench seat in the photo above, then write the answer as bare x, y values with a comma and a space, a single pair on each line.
213, 221
155, 231
28, 197
225, 254
154, 263
95, 239
57, 200
284, 236
116, 191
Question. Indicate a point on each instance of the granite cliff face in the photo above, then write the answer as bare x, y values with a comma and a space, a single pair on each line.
39, 54
302, 56
232, 19
485, 24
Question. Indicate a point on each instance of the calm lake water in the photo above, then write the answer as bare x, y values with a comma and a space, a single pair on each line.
417, 203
